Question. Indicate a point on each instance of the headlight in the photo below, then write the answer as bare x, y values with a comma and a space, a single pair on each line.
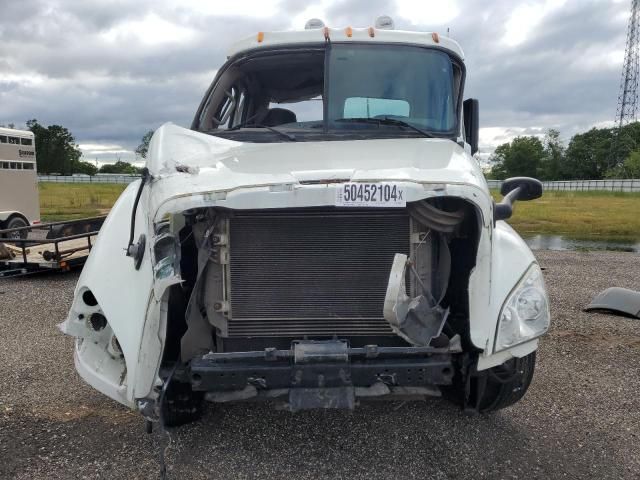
525, 314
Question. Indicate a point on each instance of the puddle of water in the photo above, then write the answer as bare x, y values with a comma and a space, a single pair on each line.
558, 242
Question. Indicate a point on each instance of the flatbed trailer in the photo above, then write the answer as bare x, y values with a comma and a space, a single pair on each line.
65, 246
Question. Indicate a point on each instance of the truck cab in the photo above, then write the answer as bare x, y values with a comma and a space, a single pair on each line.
320, 236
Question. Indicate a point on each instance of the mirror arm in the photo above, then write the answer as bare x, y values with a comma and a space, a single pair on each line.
504, 209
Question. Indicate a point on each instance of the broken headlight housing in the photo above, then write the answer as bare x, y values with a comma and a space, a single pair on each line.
525, 315
166, 253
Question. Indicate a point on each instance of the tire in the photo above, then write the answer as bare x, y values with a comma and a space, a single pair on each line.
17, 222
181, 405
506, 384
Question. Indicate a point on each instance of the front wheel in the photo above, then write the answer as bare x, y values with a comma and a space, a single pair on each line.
506, 384
493, 389
181, 405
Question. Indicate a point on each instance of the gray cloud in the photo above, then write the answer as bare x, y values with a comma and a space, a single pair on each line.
59, 64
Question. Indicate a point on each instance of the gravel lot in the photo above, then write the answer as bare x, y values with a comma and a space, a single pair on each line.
580, 419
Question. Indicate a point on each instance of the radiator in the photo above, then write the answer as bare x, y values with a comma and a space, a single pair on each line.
316, 273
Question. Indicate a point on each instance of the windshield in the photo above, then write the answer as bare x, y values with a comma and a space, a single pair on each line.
385, 81
338, 91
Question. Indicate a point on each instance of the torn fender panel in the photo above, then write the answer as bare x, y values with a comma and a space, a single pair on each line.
101, 369
617, 300
120, 292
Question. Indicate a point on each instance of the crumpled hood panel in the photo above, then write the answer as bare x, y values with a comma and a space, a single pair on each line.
179, 152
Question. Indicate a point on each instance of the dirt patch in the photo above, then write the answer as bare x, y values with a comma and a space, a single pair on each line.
600, 338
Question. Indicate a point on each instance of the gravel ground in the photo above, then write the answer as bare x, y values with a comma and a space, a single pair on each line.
580, 418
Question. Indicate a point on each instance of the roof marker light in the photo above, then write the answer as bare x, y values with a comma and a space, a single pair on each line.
385, 22
435, 37
313, 24
260, 37
348, 32
372, 32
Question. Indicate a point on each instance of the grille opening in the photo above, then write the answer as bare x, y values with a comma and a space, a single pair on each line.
317, 273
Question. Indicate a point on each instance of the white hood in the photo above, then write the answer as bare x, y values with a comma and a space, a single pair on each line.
184, 162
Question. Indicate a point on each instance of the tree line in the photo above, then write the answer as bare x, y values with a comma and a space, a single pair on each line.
594, 155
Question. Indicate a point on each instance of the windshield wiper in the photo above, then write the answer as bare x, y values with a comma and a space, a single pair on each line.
388, 121
289, 137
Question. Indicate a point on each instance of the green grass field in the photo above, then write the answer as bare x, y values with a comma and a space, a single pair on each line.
593, 215
68, 201
611, 216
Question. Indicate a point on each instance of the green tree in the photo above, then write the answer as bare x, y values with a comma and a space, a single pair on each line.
629, 169
56, 149
600, 152
632, 165
497, 160
520, 158
551, 163
143, 148
588, 155
119, 167
85, 167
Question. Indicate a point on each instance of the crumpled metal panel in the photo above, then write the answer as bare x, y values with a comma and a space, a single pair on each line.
617, 300
418, 320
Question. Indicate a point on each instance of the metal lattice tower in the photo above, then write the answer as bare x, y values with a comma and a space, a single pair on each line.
627, 110
628, 97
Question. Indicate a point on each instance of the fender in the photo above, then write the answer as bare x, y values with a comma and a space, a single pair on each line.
4, 216
510, 259
108, 359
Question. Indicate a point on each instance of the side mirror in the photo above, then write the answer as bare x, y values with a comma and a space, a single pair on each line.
516, 188
529, 188
470, 110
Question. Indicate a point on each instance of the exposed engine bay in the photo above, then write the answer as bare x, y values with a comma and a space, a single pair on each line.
261, 278
319, 281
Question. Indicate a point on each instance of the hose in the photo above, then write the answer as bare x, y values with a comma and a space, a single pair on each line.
434, 218
145, 177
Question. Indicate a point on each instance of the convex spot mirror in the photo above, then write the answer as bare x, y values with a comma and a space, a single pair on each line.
530, 188
516, 188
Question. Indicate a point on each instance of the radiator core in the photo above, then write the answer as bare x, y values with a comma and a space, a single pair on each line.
315, 273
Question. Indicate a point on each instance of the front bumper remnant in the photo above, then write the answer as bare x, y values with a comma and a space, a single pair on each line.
323, 374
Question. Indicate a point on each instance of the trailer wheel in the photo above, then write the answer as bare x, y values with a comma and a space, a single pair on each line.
507, 383
17, 222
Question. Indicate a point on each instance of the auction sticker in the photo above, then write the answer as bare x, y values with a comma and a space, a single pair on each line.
370, 195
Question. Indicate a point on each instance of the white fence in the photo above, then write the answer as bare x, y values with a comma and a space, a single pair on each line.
627, 185
623, 185
100, 178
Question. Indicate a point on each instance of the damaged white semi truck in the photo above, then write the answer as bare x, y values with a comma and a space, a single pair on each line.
321, 235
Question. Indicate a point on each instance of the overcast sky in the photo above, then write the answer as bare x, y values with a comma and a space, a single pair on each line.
109, 70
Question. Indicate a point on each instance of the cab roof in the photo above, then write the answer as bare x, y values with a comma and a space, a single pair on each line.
344, 35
